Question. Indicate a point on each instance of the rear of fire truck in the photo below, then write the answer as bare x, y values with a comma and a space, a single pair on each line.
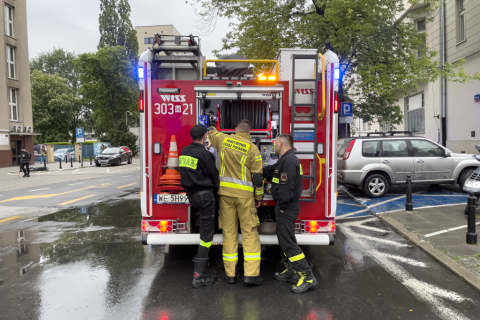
178, 91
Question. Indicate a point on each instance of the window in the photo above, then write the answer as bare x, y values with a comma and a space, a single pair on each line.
416, 113
12, 101
9, 21
461, 34
149, 40
11, 62
370, 149
369, 126
364, 126
423, 148
422, 28
394, 148
385, 126
342, 147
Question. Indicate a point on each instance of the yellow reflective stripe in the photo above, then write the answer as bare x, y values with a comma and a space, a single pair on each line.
218, 134
244, 170
301, 170
275, 180
188, 162
243, 160
205, 244
230, 256
222, 171
259, 192
251, 256
235, 186
297, 257
236, 145
259, 158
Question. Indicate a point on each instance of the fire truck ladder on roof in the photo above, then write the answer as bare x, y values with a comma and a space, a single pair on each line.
306, 127
178, 49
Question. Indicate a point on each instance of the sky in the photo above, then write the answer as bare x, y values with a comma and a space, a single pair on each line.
73, 24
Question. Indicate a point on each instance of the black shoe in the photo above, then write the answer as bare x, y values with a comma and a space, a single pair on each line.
289, 274
231, 280
28, 175
24, 175
256, 281
306, 281
200, 279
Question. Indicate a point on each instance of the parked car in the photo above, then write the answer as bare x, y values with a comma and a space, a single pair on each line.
114, 156
374, 163
64, 154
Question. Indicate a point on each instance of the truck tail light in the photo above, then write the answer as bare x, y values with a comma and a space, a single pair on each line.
272, 78
262, 78
144, 226
164, 226
141, 107
349, 149
336, 103
315, 226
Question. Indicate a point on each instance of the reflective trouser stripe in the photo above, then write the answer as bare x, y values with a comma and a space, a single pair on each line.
260, 192
205, 244
230, 257
252, 256
235, 186
297, 257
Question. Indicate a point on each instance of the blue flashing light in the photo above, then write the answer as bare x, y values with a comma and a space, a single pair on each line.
336, 74
140, 72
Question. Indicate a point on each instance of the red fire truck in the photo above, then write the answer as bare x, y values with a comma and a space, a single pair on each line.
298, 96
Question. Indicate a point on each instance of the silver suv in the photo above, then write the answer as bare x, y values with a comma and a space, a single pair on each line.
374, 163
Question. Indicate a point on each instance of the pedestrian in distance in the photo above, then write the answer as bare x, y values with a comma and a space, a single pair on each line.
25, 157
286, 179
240, 193
199, 176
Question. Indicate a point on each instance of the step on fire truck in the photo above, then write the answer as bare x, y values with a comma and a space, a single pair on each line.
178, 91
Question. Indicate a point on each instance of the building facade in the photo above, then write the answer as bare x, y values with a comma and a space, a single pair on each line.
16, 123
145, 35
447, 113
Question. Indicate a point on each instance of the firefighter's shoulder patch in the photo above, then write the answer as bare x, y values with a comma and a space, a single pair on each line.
283, 177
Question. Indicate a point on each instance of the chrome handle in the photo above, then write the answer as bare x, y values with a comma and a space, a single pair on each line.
420, 161
386, 161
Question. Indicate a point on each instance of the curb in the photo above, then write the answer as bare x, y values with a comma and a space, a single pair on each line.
445, 260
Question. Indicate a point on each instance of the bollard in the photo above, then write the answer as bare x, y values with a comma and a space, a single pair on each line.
60, 162
66, 161
90, 160
82, 160
471, 233
409, 205
71, 162
45, 163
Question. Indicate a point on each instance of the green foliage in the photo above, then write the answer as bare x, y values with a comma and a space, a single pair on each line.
120, 136
58, 61
377, 51
56, 109
109, 84
116, 28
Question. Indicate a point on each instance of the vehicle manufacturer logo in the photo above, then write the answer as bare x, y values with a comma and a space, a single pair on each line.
304, 91
173, 98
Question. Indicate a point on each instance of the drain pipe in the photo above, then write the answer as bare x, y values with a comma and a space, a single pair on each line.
443, 81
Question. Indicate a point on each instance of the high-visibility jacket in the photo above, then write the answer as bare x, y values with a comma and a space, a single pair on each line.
239, 160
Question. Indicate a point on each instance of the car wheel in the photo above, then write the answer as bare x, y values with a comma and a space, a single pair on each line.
119, 161
98, 164
464, 176
129, 160
375, 186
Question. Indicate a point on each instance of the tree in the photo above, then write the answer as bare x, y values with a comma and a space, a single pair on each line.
109, 84
116, 28
121, 136
56, 109
377, 51
58, 61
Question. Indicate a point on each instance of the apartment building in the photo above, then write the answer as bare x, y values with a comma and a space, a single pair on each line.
443, 111
16, 123
145, 35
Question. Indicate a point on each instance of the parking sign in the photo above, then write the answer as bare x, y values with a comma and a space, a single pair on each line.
80, 135
346, 109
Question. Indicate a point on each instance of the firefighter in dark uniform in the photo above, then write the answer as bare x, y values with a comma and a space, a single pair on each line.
199, 176
286, 178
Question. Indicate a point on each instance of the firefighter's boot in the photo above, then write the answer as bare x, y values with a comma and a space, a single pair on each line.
289, 274
200, 279
306, 281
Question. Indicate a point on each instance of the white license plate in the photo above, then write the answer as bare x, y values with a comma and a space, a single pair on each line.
103, 161
171, 199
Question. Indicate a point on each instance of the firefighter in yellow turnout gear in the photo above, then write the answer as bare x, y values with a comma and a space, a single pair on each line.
240, 192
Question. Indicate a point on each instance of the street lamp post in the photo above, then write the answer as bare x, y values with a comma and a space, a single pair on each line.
126, 115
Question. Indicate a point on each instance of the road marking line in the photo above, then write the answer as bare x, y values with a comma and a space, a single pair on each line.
11, 218
124, 176
103, 180
75, 171
74, 200
447, 230
108, 170
131, 184
38, 189
74, 184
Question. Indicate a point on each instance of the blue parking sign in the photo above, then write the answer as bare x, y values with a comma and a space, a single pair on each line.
83, 210
80, 135
346, 109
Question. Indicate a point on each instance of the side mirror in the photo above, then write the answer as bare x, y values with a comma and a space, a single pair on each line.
122, 151
447, 154
477, 157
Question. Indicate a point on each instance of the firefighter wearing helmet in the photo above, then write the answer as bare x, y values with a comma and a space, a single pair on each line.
286, 178
240, 193
199, 176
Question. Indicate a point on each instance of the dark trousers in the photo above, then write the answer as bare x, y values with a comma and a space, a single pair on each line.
205, 202
286, 237
27, 166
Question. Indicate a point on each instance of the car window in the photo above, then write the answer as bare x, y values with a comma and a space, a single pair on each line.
111, 150
423, 148
394, 148
342, 147
370, 149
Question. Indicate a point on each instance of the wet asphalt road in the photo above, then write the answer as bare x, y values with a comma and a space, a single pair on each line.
69, 265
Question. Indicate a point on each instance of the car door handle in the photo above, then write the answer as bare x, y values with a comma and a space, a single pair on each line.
386, 161
420, 161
